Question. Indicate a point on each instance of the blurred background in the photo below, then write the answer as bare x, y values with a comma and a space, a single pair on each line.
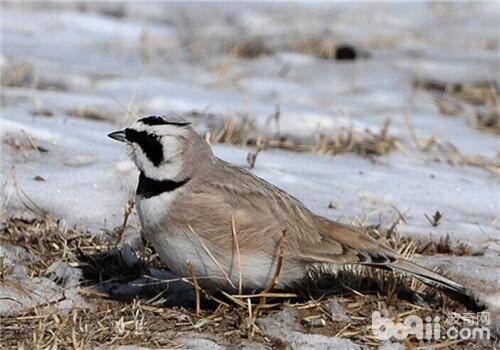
380, 114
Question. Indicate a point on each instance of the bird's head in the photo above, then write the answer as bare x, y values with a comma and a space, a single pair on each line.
164, 148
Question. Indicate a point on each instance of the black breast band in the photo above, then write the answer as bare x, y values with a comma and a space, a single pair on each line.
148, 188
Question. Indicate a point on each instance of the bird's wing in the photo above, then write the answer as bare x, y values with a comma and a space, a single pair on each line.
261, 211
357, 246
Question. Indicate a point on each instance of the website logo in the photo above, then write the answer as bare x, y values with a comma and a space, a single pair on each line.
456, 326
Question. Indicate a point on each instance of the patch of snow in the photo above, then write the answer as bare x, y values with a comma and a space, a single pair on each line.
284, 326
336, 311
19, 291
200, 343
388, 345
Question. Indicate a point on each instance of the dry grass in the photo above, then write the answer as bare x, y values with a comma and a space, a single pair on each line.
18, 75
22, 143
90, 113
479, 93
324, 47
315, 46
149, 322
24, 75
251, 47
408, 246
243, 131
51, 241
478, 101
488, 121
42, 111
367, 144
446, 152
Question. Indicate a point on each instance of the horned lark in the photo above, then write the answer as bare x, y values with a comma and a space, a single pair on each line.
229, 224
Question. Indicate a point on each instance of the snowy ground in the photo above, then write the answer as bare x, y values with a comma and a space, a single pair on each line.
159, 58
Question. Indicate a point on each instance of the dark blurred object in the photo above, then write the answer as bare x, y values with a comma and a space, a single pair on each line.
345, 52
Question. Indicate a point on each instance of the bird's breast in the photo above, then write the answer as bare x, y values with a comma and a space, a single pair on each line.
153, 211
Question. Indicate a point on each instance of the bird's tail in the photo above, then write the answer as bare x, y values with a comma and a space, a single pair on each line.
451, 288
427, 276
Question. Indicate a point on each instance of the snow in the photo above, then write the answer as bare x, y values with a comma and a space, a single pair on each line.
202, 344
284, 325
388, 345
94, 61
336, 311
20, 292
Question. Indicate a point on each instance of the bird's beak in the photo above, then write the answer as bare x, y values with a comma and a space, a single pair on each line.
118, 136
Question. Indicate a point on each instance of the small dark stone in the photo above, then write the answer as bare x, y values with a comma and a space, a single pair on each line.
345, 53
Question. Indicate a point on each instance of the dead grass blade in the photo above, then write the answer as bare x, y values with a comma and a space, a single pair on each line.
212, 256
196, 287
238, 256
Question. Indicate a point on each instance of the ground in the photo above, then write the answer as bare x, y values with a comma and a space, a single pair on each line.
384, 115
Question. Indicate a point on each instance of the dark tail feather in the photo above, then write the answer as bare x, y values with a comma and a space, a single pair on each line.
453, 289
427, 276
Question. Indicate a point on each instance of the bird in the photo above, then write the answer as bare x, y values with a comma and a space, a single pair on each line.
234, 230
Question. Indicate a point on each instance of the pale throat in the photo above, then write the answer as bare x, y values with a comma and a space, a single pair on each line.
171, 169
